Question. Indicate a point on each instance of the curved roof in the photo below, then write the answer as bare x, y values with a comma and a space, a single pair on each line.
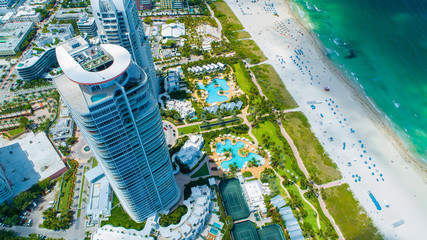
76, 73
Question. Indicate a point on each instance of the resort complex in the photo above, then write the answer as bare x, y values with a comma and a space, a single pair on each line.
197, 120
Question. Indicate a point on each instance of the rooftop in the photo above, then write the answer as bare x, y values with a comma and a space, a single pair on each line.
28, 160
173, 30
91, 59
99, 198
96, 65
11, 34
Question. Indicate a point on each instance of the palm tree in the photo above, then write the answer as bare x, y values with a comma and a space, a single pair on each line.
219, 116
203, 117
234, 114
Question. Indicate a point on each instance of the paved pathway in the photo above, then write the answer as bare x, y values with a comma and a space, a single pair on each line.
330, 184
303, 168
78, 151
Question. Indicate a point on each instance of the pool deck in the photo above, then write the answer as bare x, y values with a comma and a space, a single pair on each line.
231, 92
256, 171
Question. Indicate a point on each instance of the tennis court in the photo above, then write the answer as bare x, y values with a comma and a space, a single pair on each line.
234, 201
245, 231
271, 232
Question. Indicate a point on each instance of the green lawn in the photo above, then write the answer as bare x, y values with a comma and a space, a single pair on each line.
119, 218
94, 163
173, 217
320, 167
243, 35
252, 50
188, 129
311, 216
225, 14
203, 171
273, 87
66, 192
81, 192
16, 131
267, 130
245, 82
323, 219
270, 137
349, 215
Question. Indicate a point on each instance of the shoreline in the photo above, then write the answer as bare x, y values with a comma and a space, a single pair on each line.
376, 114
374, 153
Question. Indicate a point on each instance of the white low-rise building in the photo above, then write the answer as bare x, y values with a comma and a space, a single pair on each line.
172, 80
184, 108
63, 129
173, 30
109, 232
57, 33
99, 203
224, 107
191, 152
194, 221
27, 14
207, 68
199, 205
254, 191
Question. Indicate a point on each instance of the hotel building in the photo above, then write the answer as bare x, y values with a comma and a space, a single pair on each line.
109, 98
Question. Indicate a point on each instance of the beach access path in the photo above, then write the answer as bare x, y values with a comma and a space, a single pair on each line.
302, 167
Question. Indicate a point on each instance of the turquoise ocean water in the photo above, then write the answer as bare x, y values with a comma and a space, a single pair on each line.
382, 47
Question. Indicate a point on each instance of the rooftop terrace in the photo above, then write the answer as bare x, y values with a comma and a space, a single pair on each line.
93, 59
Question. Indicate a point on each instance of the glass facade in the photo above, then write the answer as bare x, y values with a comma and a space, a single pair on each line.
125, 132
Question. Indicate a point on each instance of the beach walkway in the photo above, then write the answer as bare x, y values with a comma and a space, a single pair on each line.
303, 168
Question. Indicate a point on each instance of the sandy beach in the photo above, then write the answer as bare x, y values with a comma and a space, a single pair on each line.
366, 151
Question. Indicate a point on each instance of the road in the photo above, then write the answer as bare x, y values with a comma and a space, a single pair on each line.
77, 229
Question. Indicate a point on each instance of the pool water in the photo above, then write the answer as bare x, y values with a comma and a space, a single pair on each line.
213, 91
97, 97
240, 161
213, 231
217, 225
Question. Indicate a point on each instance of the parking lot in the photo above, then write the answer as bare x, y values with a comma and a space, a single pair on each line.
170, 133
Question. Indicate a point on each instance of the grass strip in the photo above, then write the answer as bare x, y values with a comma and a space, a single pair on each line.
203, 171
81, 192
243, 78
350, 217
273, 87
120, 218
189, 129
318, 163
243, 35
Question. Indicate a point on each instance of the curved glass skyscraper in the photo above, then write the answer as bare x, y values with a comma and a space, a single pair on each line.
5, 188
109, 99
118, 23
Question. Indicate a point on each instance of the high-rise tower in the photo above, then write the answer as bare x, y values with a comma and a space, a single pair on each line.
5, 188
109, 99
118, 23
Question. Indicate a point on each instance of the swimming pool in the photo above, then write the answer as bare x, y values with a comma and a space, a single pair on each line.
240, 161
217, 225
97, 97
213, 231
213, 91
